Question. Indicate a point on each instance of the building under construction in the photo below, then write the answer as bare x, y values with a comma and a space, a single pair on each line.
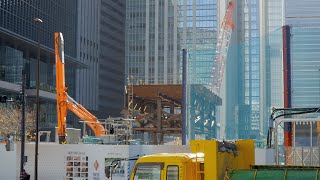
157, 112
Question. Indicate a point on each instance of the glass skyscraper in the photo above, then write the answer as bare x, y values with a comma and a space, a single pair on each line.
151, 41
112, 56
243, 73
197, 32
18, 49
252, 60
254, 82
305, 34
156, 33
304, 46
101, 46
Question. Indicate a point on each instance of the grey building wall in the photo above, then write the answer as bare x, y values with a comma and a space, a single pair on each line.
88, 46
303, 17
305, 34
302, 12
112, 56
151, 45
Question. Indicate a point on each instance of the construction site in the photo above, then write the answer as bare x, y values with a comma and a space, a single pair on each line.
165, 131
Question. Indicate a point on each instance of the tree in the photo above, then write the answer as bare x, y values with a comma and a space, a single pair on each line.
10, 121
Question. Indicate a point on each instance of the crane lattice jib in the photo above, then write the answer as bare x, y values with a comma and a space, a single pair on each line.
222, 47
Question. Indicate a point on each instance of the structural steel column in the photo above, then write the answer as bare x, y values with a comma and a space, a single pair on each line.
159, 119
184, 95
287, 81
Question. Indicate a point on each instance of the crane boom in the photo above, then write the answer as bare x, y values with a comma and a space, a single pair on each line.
222, 47
65, 102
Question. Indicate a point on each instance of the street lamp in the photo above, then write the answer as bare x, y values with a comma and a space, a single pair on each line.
37, 21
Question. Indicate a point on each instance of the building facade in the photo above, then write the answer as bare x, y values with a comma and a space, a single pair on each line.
303, 34
243, 73
19, 37
101, 38
254, 82
156, 33
151, 45
112, 57
88, 38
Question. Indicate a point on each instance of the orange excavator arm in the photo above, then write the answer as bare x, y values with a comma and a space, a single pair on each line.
65, 102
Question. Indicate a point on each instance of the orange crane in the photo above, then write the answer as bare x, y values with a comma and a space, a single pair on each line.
222, 47
65, 102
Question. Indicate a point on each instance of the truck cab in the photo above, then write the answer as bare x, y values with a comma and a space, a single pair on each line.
208, 160
168, 167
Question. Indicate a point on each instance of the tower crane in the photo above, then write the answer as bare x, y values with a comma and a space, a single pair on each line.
222, 47
65, 102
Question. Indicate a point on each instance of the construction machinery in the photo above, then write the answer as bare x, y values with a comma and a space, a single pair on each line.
65, 102
222, 46
209, 160
216, 160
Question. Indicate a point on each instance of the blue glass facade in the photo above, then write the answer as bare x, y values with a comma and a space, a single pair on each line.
58, 16
243, 74
305, 50
197, 32
18, 49
252, 65
305, 74
156, 33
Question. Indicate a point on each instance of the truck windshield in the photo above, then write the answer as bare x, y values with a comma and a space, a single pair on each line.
147, 172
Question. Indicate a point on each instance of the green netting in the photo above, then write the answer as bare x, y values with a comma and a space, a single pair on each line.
270, 174
240, 175
301, 174
278, 167
274, 174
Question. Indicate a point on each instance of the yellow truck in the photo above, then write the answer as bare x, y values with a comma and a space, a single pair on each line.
217, 160
209, 160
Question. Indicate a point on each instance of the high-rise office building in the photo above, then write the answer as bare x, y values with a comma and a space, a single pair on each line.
156, 33
19, 36
101, 37
88, 45
151, 44
112, 56
243, 74
302, 41
254, 81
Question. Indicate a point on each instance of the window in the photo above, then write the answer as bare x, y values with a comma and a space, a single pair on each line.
148, 171
172, 172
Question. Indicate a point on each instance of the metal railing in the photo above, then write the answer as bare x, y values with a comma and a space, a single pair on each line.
302, 156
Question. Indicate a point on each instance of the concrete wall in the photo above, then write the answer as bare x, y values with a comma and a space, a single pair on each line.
54, 158
8, 163
264, 156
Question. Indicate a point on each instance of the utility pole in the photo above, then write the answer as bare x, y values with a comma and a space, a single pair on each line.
37, 21
23, 124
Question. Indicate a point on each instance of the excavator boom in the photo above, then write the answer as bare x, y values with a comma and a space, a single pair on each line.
65, 102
